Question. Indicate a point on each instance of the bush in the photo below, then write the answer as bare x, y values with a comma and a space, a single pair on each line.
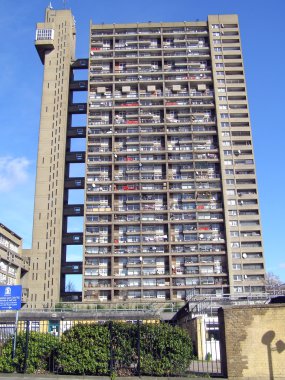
41, 349
165, 350
84, 349
90, 349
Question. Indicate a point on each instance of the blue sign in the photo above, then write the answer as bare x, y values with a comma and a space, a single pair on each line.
10, 297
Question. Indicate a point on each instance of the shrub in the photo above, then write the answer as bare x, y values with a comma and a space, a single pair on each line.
84, 349
90, 348
165, 350
41, 348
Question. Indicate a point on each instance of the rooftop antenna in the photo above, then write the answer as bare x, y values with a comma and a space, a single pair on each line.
50, 6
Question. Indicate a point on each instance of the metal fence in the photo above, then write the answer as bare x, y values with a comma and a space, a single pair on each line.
206, 344
122, 360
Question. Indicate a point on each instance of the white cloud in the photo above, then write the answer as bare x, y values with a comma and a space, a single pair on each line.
13, 172
282, 265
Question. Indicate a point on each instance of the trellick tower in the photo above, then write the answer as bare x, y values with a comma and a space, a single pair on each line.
171, 204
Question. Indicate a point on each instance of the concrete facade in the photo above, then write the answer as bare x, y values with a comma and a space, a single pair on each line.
14, 263
171, 205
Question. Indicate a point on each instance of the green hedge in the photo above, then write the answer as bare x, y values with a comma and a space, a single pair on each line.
84, 349
95, 349
41, 347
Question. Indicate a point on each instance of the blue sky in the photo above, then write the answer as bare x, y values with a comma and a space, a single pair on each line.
21, 81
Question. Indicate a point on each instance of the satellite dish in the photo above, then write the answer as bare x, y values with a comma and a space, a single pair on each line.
244, 255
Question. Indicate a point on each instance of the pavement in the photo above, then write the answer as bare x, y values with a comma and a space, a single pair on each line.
72, 377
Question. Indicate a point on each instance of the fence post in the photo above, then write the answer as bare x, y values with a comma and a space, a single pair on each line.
26, 347
139, 348
14, 339
111, 364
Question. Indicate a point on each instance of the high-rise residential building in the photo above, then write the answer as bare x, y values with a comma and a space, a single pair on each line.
170, 200
13, 264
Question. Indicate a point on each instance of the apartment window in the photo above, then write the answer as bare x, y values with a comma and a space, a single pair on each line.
223, 107
224, 115
220, 73
235, 244
230, 181
231, 192
236, 255
222, 98
217, 49
215, 26
228, 162
231, 202
238, 289
229, 172
44, 34
232, 212
217, 42
225, 124
234, 234
227, 143
228, 152
218, 57
233, 223
237, 277
236, 266
216, 34
221, 89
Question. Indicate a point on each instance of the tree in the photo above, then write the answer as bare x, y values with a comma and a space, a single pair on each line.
70, 287
272, 283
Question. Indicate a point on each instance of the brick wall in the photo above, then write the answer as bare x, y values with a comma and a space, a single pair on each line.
253, 342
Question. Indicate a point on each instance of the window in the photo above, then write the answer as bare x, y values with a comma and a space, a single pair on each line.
229, 172
236, 255
222, 98
44, 34
231, 202
236, 266
223, 107
230, 181
216, 34
224, 115
228, 162
218, 56
228, 152
235, 244
221, 89
232, 212
233, 223
220, 73
225, 124
227, 143
234, 234
215, 26
231, 192
237, 277
217, 49
238, 289
217, 42
219, 65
